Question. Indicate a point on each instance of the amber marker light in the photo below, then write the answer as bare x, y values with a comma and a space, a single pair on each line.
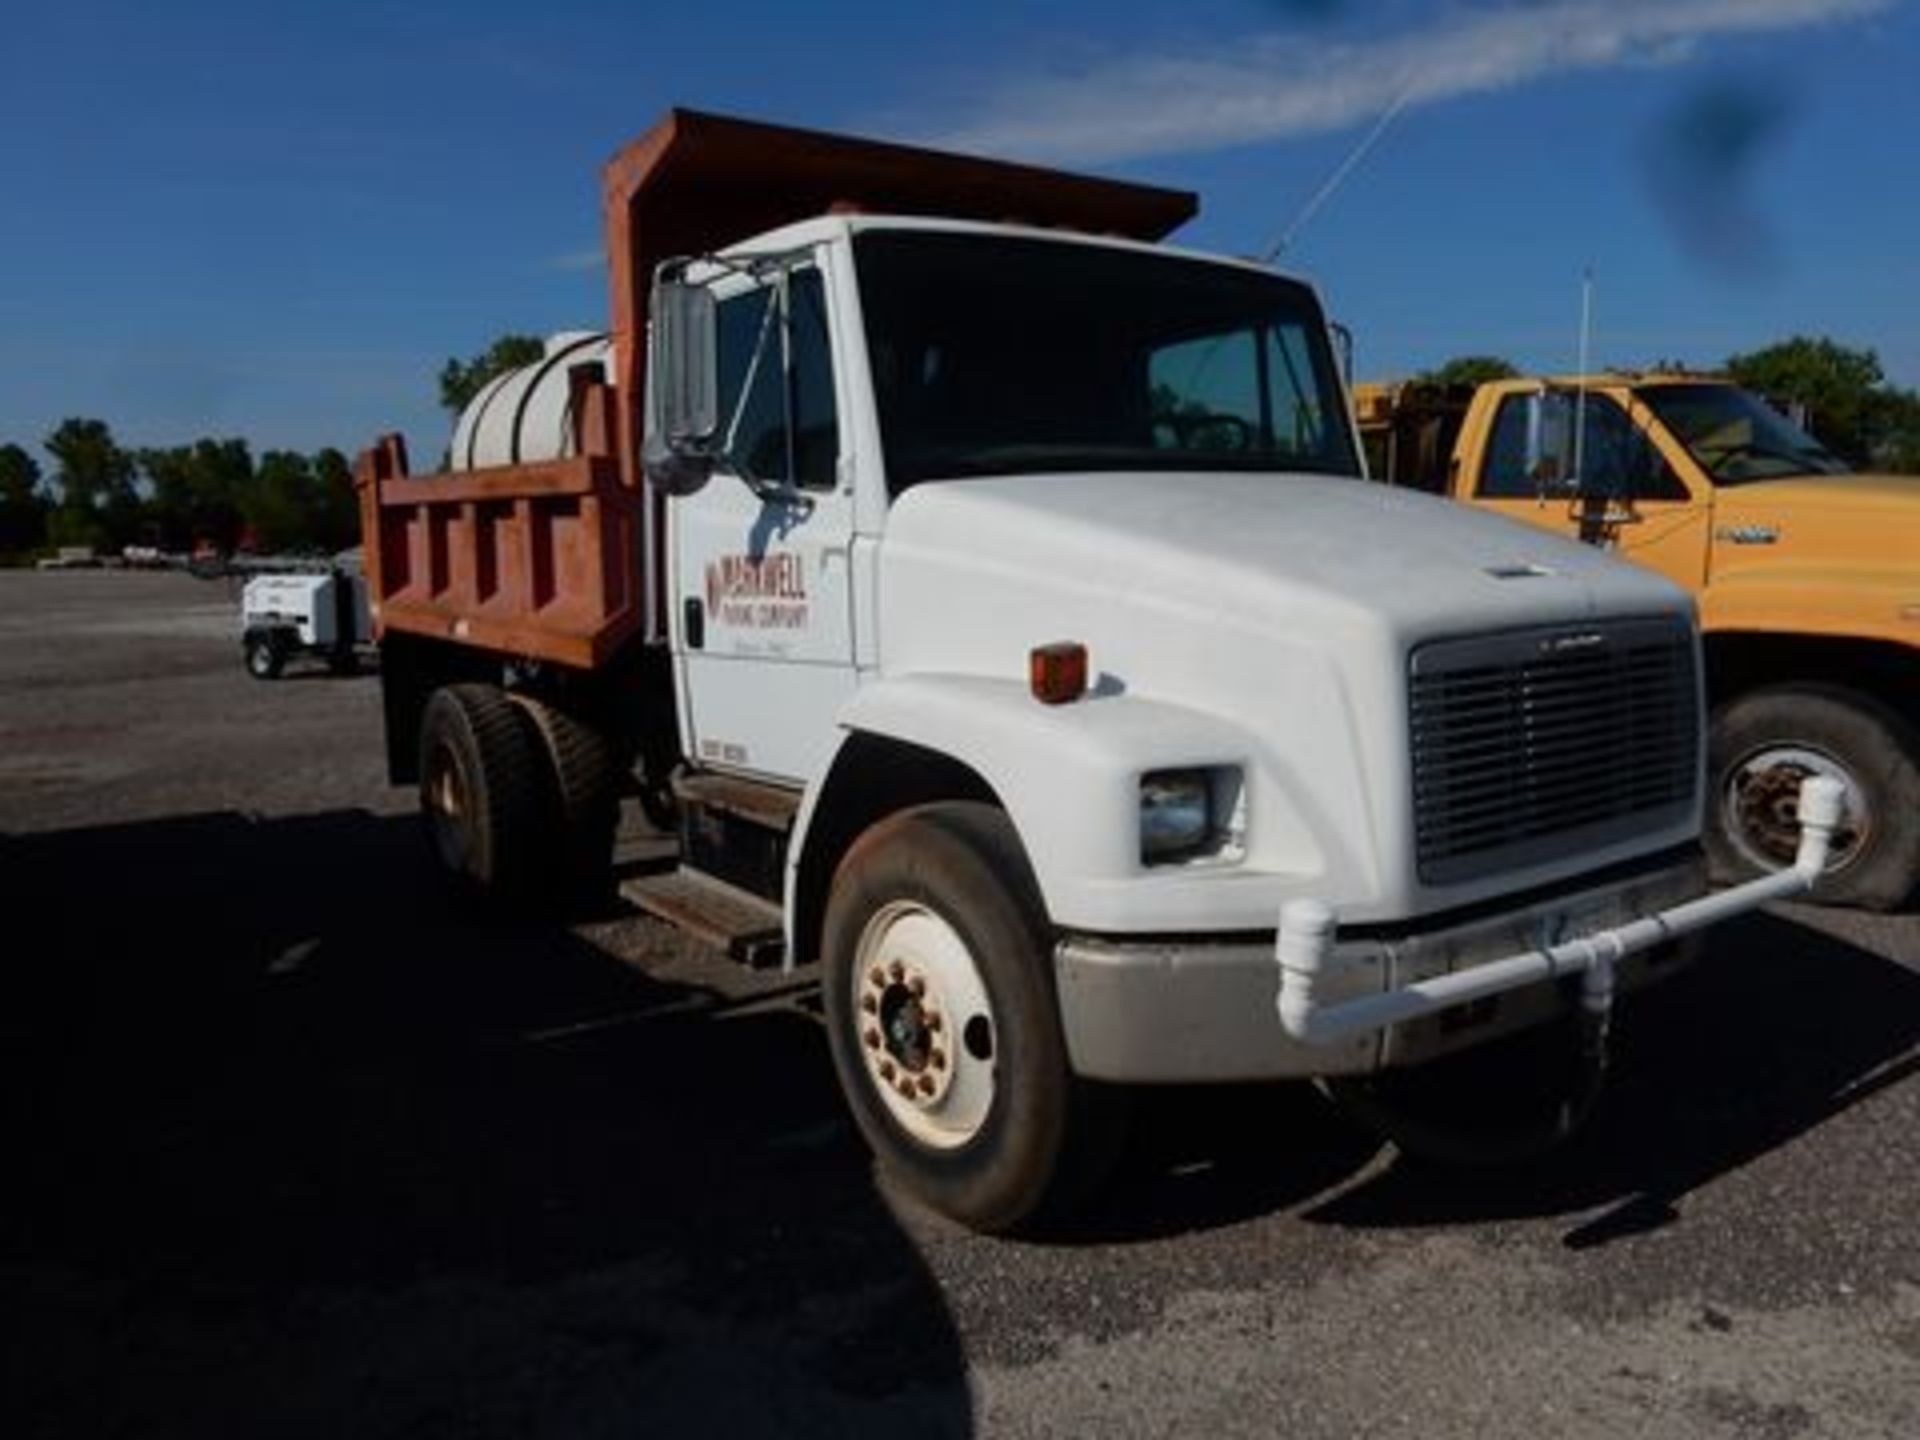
1057, 673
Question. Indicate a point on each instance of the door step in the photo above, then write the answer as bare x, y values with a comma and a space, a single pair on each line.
770, 806
724, 916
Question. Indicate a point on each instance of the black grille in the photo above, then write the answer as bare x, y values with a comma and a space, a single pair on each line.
1533, 746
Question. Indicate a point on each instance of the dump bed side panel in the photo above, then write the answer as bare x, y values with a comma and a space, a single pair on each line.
539, 561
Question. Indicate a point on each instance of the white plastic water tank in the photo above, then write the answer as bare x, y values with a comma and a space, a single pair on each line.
522, 414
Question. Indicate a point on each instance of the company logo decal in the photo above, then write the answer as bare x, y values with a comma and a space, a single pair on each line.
758, 592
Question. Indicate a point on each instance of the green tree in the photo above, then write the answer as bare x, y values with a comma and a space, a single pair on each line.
98, 503
336, 516
23, 509
199, 491
1468, 370
279, 507
1842, 389
461, 380
1894, 422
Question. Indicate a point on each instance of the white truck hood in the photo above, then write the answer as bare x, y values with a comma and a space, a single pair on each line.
1281, 606
1251, 550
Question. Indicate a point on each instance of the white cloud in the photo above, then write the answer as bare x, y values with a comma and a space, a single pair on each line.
577, 260
1278, 84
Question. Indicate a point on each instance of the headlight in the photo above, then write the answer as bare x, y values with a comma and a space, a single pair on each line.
1176, 815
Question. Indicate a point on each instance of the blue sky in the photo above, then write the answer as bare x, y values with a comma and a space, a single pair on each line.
277, 220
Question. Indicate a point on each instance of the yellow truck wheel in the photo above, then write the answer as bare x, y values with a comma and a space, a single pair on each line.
1765, 742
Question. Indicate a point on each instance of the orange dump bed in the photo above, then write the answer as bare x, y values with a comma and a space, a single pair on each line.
559, 560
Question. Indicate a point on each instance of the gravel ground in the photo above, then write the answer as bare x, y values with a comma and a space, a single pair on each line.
300, 1148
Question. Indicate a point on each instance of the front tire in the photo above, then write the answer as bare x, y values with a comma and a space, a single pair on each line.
266, 657
944, 1024
1765, 742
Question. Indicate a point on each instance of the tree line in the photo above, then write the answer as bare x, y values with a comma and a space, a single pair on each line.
215, 492
211, 493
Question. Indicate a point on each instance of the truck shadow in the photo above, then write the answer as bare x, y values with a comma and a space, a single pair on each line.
1777, 1030
301, 1148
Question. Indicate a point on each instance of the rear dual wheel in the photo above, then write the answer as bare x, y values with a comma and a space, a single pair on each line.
481, 792
520, 799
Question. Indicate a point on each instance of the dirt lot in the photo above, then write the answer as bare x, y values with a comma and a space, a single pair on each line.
298, 1148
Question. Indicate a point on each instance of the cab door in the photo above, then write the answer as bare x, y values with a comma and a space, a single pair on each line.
1577, 464
762, 606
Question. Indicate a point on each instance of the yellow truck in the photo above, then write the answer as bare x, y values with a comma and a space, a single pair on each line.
1807, 576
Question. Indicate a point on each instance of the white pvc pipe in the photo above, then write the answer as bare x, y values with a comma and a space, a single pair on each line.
1308, 928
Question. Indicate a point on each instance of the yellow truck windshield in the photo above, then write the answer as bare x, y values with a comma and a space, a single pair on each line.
1735, 436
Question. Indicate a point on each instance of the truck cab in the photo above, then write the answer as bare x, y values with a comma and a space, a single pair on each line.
1807, 576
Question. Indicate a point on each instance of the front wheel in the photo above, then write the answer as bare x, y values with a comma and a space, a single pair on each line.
944, 1025
1766, 742
266, 656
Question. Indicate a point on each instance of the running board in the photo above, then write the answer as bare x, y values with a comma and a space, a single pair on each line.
724, 916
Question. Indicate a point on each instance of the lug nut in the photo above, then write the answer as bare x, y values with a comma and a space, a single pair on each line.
916, 987
931, 1019
876, 977
869, 1004
872, 1037
938, 1059
896, 971
926, 1084
887, 1072
906, 1089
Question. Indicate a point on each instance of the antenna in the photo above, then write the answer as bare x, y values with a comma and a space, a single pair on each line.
1580, 379
1340, 173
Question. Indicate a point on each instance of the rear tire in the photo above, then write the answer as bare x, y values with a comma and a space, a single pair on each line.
585, 773
483, 794
945, 1027
1761, 746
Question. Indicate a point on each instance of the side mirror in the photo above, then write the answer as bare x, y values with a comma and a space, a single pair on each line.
1549, 457
683, 387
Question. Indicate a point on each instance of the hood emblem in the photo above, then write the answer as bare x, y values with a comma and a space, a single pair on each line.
1578, 640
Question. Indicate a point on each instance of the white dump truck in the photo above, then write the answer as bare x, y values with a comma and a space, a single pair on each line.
998, 612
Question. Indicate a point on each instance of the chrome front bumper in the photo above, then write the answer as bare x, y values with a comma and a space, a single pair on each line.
1197, 1010
1200, 1010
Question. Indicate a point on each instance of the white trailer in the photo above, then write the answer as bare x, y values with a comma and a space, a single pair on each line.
324, 616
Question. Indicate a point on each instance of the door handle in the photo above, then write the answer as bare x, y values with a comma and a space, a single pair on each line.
693, 614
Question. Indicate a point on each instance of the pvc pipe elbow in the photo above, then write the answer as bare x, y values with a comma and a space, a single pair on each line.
1305, 940
1822, 803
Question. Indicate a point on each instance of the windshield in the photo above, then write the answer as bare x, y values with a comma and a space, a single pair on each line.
1736, 436
994, 355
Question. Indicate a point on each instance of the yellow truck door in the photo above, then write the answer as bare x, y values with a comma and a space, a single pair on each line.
1574, 462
